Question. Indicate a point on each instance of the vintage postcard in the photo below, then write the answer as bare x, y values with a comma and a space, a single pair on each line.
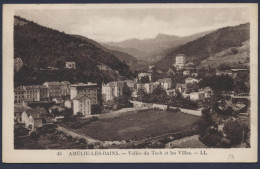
123, 83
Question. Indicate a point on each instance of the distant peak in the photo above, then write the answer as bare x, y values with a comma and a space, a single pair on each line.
161, 35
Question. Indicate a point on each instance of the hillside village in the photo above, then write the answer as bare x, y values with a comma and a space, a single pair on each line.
71, 92
182, 88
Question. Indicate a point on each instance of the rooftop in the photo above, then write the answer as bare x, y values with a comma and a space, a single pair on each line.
84, 85
55, 83
65, 82
180, 55
164, 80
80, 96
36, 87
21, 108
114, 83
190, 78
56, 107
38, 112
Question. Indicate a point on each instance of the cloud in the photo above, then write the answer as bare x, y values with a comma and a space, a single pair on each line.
121, 24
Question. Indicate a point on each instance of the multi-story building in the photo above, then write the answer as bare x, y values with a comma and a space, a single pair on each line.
31, 93
82, 104
112, 90
19, 94
44, 93
90, 89
70, 65
65, 88
148, 87
166, 83
54, 89
180, 61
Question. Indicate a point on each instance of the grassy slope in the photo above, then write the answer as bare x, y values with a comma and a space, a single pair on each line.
228, 57
138, 126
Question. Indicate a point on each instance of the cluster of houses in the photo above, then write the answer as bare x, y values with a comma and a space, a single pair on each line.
187, 89
78, 97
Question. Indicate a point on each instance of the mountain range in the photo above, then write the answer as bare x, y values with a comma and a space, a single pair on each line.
40, 47
123, 56
150, 49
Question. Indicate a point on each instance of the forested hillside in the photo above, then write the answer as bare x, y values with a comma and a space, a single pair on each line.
40, 47
208, 45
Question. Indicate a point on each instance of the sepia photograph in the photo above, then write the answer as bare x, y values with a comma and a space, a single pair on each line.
169, 79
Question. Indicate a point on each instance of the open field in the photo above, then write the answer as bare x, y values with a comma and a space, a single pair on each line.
136, 126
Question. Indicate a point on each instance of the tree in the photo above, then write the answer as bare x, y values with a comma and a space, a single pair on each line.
234, 51
241, 87
160, 95
211, 138
205, 121
126, 91
123, 101
56, 112
234, 131
223, 67
141, 94
144, 79
218, 83
95, 109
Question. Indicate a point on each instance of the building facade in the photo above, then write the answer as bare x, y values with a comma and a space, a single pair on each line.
82, 104
180, 61
54, 89
33, 118
31, 93
197, 96
148, 87
166, 83
65, 89
90, 89
112, 90
19, 94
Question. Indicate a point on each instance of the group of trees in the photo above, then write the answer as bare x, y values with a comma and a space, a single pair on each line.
123, 100
218, 83
233, 132
158, 95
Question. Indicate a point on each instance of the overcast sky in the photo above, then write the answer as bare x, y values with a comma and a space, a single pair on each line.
105, 25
